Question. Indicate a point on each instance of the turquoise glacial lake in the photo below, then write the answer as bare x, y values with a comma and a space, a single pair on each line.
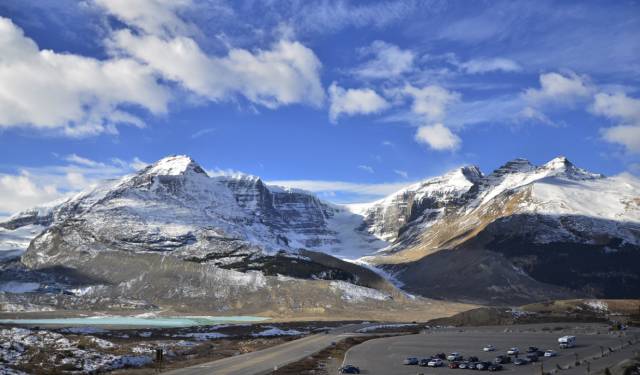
167, 322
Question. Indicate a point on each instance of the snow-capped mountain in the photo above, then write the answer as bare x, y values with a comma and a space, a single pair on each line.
174, 206
556, 224
463, 235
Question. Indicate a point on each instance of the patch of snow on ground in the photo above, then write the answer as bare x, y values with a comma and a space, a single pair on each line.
383, 326
204, 336
277, 332
356, 293
598, 305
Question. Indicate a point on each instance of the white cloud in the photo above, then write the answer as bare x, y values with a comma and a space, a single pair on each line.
479, 66
202, 132
401, 173
555, 87
35, 186
431, 101
327, 16
366, 168
626, 135
438, 137
152, 16
69, 93
388, 61
617, 106
318, 186
354, 101
625, 109
286, 74
20, 191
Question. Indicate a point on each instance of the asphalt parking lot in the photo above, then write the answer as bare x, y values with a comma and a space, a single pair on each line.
385, 356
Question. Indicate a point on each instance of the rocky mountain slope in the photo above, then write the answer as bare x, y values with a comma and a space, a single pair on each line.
518, 234
172, 235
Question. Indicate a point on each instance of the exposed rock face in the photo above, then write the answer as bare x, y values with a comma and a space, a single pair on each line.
419, 205
497, 238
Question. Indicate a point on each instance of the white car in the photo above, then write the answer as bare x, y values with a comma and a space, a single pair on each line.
513, 351
550, 353
454, 356
436, 362
489, 348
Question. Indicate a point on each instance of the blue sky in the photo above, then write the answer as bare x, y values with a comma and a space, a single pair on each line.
349, 99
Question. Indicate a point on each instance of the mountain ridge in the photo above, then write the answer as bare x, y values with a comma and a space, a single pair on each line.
242, 224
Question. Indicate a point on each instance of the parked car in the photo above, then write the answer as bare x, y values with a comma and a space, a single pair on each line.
473, 365
532, 349
454, 364
495, 367
455, 356
550, 353
513, 351
489, 348
482, 366
520, 362
502, 359
532, 357
435, 362
349, 369
442, 356
424, 362
410, 361
463, 365
473, 359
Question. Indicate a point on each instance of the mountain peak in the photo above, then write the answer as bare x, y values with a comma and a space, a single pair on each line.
173, 166
558, 163
562, 165
471, 172
518, 165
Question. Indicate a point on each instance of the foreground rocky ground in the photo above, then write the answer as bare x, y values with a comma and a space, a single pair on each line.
86, 350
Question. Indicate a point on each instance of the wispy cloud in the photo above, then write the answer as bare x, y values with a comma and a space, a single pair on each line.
360, 191
202, 132
366, 168
387, 61
401, 173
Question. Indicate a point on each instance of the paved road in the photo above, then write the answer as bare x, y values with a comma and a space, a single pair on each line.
264, 361
385, 356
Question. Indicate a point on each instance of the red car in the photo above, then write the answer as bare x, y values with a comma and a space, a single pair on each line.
454, 364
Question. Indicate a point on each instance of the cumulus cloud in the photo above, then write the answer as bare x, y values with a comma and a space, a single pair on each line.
69, 93
625, 135
285, 74
354, 102
479, 66
387, 61
558, 88
29, 186
624, 109
19, 191
438, 137
431, 101
152, 48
